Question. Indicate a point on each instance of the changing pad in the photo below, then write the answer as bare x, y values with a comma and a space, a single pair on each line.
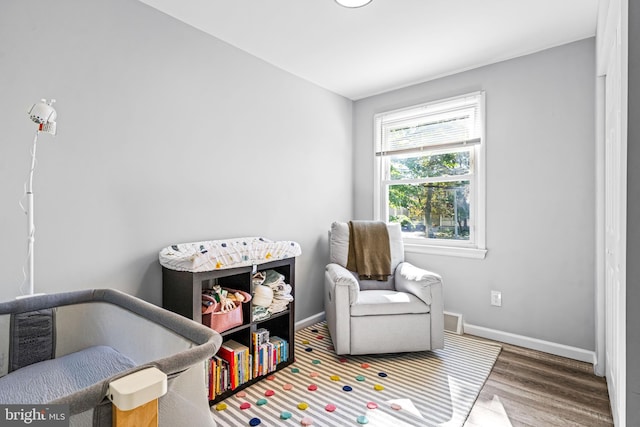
220, 254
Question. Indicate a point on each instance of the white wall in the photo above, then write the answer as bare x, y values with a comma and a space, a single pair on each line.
633, 212
540, 193
165, 135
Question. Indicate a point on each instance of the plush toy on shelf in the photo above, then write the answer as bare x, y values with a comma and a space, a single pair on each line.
226, 299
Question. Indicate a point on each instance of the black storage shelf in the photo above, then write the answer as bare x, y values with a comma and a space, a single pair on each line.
182, 290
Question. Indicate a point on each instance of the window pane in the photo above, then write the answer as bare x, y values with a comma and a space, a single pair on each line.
429, 166
436, 210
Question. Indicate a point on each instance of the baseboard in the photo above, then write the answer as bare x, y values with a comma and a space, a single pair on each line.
311, 320
575, 353
532, 343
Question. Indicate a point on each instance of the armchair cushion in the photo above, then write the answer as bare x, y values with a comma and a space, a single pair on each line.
384, 302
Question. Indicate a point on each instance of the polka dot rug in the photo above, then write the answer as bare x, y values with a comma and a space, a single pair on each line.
322, 389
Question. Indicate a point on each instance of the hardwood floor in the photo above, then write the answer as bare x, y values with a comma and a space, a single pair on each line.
531, 388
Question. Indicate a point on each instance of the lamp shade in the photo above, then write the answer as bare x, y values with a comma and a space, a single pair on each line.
44, 115
353, 3
43, 112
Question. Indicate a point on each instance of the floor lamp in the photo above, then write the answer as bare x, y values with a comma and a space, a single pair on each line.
44, 115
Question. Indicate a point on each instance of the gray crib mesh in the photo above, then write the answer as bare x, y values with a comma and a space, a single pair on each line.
32, 338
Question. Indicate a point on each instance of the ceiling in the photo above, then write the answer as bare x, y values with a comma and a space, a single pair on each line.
389, 43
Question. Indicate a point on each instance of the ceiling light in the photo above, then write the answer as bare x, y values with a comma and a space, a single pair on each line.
353, 3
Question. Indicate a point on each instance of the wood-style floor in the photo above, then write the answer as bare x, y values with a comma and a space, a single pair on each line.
531, 388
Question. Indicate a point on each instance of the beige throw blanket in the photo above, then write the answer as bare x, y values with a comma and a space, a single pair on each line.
369, 254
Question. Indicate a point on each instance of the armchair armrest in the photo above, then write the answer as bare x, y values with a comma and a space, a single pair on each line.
417, 281
428, 287
341, 291
342, 277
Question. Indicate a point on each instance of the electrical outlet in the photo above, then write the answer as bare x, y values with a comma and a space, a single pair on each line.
496, 298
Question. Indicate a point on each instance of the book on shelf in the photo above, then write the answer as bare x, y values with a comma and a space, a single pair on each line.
239, 359
258, 339
268, 352
281, 348
236, 364
218, 375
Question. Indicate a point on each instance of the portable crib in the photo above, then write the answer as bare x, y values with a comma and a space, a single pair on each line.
68, 348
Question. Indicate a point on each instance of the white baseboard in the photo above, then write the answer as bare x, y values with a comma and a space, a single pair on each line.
312, 320
575, 353
532, 343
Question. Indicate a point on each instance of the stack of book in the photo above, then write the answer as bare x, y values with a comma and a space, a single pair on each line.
267, 352
236, 359
219, 376
235, 364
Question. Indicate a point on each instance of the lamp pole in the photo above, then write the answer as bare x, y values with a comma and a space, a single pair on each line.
43, 114
31, 237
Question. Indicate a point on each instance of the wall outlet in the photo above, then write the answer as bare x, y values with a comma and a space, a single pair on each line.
496, 298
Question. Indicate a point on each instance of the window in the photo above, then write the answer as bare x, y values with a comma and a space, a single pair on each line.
430, 175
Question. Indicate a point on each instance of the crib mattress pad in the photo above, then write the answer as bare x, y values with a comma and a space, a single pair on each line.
53, 379
230, 253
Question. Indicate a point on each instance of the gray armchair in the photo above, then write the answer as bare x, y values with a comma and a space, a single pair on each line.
404, 313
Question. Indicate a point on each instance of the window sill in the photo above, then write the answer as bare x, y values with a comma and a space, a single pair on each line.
473, 253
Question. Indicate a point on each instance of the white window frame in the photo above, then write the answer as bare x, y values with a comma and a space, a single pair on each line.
475, 247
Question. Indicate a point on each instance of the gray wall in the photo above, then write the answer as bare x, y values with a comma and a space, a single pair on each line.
633, 213
540, 193
165, 135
